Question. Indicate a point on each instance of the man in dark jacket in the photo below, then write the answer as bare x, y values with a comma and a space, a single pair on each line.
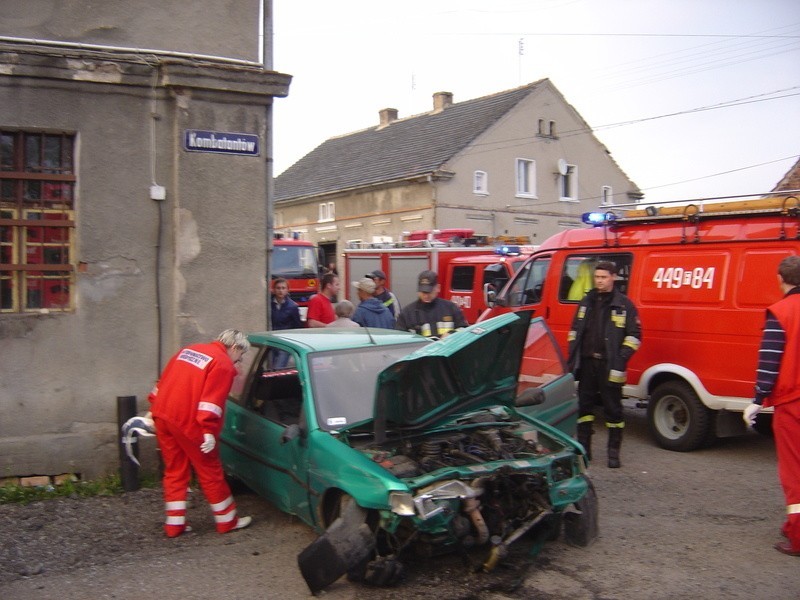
430, 315
371, 312
605, 333
285, 314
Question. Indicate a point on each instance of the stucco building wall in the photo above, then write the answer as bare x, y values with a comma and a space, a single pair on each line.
150, 275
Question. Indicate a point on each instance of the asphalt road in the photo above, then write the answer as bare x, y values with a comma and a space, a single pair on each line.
672, 525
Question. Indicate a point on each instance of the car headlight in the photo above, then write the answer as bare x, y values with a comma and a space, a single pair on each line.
402, 503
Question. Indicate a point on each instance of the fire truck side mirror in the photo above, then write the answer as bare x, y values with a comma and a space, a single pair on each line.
489, 294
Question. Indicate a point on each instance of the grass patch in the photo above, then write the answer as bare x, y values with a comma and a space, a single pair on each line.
111, 485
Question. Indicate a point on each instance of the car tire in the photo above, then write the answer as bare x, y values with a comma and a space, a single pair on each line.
677, 419
581, 527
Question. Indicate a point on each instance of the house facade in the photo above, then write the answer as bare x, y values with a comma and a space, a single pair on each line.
519, 163
133, 172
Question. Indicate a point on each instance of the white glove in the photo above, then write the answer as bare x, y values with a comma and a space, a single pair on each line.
749, 414
208, 443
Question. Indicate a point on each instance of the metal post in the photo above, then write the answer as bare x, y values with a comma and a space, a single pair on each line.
128, 470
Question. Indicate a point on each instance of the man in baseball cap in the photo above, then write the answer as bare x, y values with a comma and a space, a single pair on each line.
371, 312
382, 293
430, 315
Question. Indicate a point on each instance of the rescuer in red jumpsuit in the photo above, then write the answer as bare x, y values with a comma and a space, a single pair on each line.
188, 404
778, 385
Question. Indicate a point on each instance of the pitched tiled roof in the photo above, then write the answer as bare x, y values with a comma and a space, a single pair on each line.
790, 181
416, 145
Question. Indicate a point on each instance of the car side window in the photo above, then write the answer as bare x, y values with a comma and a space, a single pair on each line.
276, 392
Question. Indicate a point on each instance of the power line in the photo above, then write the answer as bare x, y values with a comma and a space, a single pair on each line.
770, 162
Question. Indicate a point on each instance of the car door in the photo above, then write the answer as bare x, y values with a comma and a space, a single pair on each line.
543, 367
253, 447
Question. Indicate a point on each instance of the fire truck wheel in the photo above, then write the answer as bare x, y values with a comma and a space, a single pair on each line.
678, 420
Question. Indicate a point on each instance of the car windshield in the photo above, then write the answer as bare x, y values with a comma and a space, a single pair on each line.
344, 381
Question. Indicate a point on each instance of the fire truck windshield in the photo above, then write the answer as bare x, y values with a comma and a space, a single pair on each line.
294, 262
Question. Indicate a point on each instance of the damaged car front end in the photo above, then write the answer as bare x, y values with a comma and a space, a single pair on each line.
444, 458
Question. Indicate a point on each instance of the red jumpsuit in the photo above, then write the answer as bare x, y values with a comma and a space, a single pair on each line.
785, 397
187, 402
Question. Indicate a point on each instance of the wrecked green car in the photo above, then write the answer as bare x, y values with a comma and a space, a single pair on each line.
387, 443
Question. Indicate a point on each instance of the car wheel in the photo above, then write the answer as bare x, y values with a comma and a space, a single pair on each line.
678, 420
581, 527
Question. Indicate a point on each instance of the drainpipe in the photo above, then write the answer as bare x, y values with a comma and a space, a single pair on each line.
269, 187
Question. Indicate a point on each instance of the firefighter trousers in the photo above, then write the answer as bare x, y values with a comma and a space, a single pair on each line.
593, 384
786, 427
180, 455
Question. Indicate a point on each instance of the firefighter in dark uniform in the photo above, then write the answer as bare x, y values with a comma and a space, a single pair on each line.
605, 333
430, 315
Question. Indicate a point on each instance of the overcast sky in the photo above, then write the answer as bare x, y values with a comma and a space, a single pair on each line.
693, 98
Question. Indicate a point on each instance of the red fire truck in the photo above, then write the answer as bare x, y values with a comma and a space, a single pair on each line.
465, 271
298, 263
701, 276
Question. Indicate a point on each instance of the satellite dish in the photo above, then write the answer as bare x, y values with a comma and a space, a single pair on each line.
563, 168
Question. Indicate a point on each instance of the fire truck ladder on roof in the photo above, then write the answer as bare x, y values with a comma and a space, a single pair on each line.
785, 204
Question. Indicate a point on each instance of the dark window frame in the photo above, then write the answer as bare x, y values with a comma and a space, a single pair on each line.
37, 221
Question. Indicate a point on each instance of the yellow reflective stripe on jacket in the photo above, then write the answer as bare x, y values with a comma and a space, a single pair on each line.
631, 342
615, 376
586, 419
793, 509
572, 335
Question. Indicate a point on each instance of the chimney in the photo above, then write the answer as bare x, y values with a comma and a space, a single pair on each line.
442, 100
387, 115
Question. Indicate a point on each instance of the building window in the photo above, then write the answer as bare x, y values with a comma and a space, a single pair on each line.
480, 183
37, 221
552, 129
568, 184
541, 127
606, 195
526, 178
327, 212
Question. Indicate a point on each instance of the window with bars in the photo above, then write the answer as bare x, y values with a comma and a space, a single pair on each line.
37, 221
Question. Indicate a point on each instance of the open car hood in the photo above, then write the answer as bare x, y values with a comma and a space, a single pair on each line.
474, 368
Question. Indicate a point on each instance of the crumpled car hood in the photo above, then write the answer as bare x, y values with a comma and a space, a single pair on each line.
473, 368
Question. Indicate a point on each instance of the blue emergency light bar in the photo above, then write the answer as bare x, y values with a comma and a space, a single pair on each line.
508, 250
596, 219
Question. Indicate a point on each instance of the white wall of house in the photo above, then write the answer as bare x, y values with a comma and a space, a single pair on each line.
500, 209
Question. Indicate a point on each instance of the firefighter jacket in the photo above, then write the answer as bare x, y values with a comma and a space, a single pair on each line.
787, 384
193, 388
621, 334
431, 319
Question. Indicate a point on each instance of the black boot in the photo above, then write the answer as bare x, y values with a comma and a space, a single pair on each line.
585, 438
614, 444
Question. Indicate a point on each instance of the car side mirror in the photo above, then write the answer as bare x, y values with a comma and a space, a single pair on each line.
530, 397
292, 432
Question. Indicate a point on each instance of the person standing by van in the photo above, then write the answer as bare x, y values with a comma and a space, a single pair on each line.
778, 385
604, 335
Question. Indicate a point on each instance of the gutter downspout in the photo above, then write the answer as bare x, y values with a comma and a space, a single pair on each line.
266, 7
